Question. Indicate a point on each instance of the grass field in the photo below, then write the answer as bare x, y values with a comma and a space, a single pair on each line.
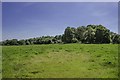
60, 61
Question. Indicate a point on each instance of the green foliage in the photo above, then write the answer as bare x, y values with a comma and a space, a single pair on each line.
102, 35
80, 33
90, 34
116, 39
10, 42
21, 42
69, 34
74, 40
27, 42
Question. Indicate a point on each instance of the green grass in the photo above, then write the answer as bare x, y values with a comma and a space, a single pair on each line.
60, 61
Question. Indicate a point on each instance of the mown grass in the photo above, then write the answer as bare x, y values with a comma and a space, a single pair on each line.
60, 61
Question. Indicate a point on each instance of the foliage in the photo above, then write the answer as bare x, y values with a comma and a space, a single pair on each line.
90, 34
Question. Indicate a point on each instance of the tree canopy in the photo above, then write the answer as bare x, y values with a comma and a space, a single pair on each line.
91, 34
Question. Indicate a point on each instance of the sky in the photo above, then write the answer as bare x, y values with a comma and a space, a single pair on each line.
22, 20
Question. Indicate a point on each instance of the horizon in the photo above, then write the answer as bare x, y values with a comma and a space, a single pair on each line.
52, 35
24, 20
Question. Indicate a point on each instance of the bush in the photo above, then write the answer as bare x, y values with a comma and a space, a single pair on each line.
74, 40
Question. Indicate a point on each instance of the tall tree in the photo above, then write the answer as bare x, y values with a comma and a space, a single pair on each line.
89, 34
21, 42
69, 35
80, 33
102, 34
116, 39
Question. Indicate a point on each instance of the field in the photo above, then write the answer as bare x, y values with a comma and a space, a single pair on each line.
60, 61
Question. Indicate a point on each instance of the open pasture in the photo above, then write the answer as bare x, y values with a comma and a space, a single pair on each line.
60, 61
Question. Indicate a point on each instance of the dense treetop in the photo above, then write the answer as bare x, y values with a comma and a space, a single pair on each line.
90, 34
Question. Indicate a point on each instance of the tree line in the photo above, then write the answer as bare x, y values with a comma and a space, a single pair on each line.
90, 34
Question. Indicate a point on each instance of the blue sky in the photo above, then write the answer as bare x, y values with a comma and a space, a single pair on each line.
23, 20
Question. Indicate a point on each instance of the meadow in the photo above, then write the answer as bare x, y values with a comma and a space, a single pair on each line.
60, 61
